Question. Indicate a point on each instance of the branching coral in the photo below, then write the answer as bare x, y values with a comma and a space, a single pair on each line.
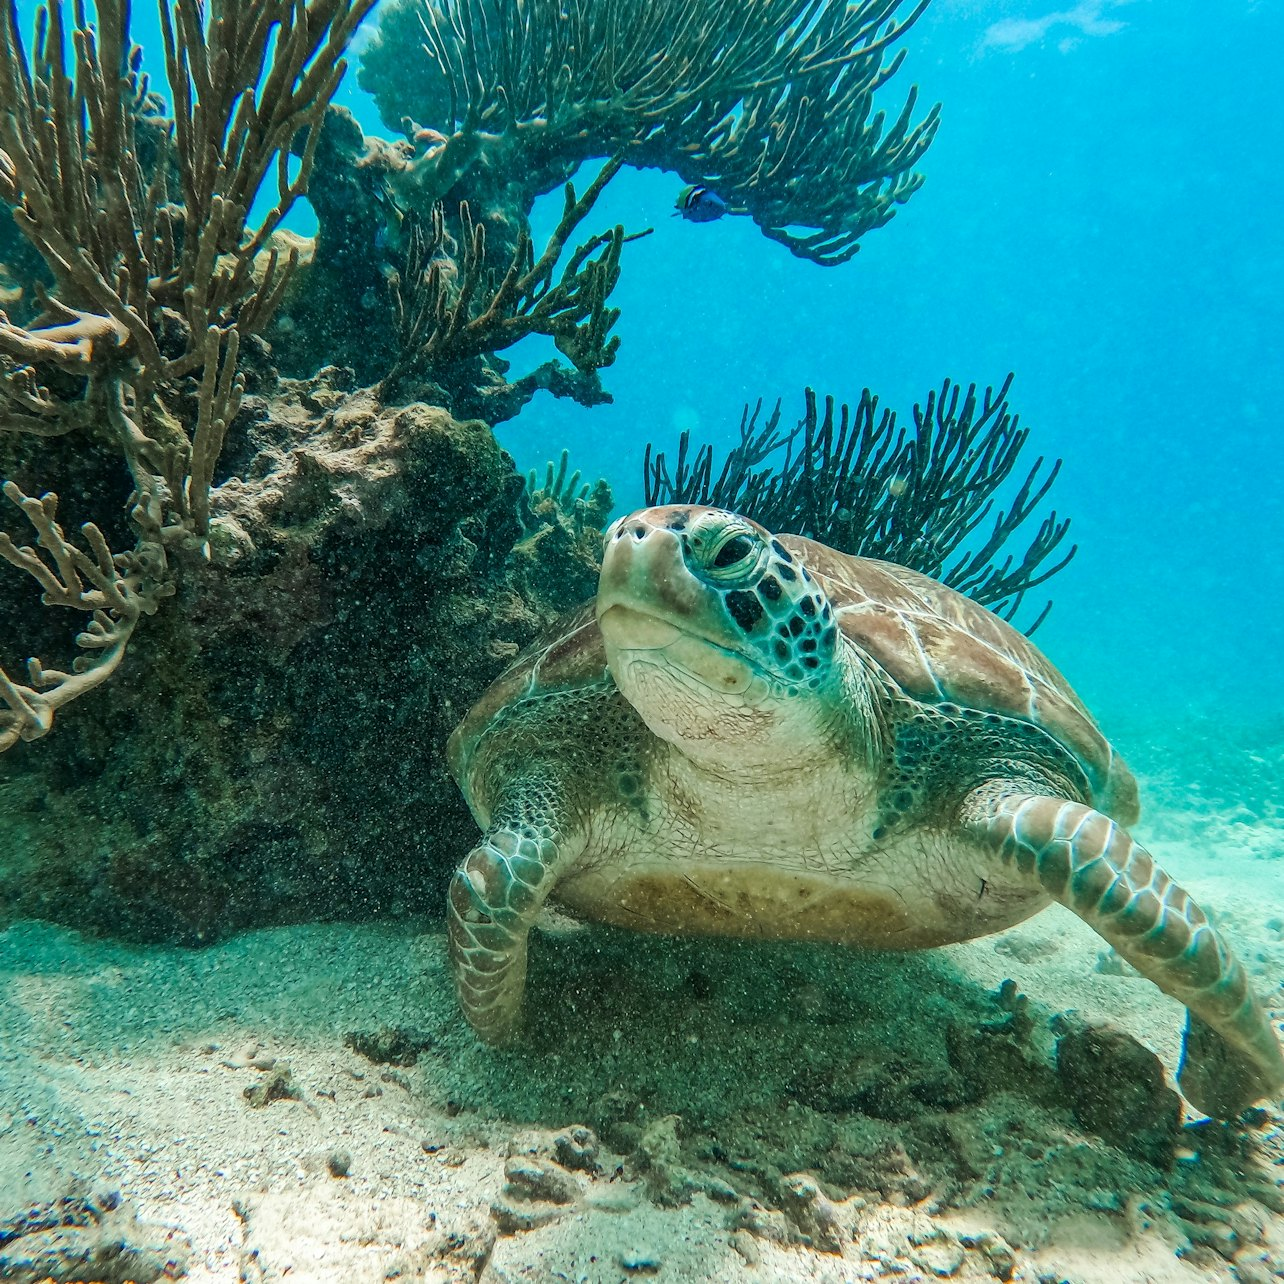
115, 589
585, 505
770, 105
860, 483
451, 306
156, 274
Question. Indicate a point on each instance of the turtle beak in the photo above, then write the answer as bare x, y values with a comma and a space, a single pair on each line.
647, 596
639, 589
656, 619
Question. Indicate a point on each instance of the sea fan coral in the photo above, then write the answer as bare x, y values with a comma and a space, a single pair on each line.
857, 481
770, 105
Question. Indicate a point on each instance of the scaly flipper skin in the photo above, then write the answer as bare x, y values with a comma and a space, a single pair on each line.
1081, 858
495, 896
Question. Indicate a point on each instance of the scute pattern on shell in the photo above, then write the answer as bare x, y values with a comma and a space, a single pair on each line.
940, 648
934, 644
569, 654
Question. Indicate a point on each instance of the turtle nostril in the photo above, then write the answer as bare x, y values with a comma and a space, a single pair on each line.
639, 531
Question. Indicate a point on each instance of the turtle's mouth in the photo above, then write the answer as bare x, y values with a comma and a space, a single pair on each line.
650, 639
632, 630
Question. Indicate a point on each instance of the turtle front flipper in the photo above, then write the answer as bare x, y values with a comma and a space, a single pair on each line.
495, 896
1231, 1056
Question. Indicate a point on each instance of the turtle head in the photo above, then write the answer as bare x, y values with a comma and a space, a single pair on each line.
716, 634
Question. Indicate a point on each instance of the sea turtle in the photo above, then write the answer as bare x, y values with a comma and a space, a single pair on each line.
754, 735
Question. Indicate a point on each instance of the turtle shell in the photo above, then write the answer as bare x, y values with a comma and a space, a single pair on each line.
569, 654
936, 645
941, 647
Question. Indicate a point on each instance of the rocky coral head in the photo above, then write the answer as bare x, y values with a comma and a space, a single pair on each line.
714, 631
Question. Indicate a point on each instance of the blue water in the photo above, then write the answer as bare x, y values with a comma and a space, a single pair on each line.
1102, 215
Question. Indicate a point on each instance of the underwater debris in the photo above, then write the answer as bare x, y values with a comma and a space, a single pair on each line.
858, 482
773, 114
576, 1148
156, 273
394, 1045
277, 1084
89, 1236
96, 1239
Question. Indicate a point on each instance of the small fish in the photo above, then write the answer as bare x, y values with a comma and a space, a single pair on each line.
700, 205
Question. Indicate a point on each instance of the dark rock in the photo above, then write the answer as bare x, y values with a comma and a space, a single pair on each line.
815, 1215
534, 1194
1116, 1089
576, 1148
527, 1177
389, 1045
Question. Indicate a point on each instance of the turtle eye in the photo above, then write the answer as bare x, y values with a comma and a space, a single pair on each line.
732, 554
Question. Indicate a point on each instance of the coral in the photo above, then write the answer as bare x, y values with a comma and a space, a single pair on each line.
116, 591
561, 499
393, 1045
861, 484
415, 295
275, 755
336, 309
451, 308
560, 553
151, 288
424, 266
774, 114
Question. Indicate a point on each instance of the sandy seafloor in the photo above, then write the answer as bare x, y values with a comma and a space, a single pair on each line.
757, 1113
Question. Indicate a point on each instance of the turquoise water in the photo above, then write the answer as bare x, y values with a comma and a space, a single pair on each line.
1101, 217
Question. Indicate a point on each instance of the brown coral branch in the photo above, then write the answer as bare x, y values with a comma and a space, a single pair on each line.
128, 262
449, 307
246, 79
115, 590
221, 391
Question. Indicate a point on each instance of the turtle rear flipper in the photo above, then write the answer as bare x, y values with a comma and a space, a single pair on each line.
1231, 1056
